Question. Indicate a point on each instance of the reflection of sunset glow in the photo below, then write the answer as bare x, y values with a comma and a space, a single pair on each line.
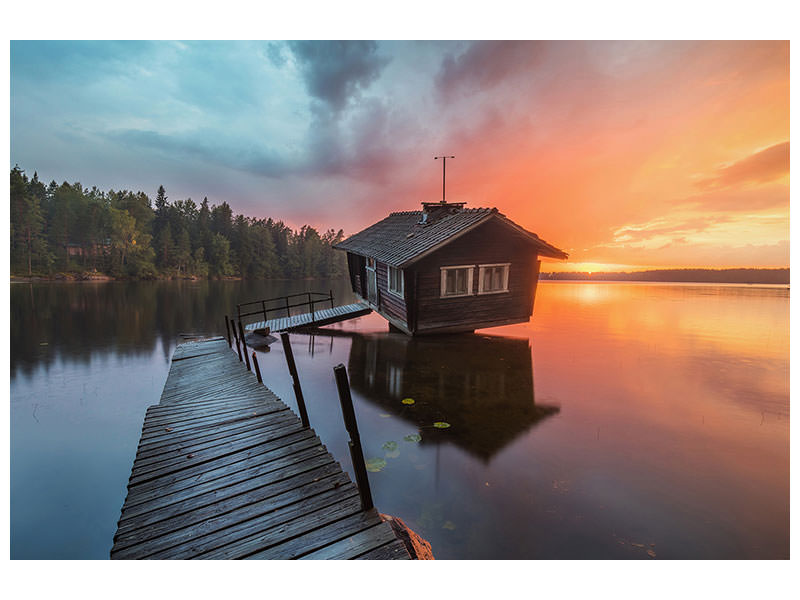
715, 316
674, 397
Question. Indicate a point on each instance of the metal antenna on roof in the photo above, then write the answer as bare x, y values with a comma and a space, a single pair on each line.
444, 167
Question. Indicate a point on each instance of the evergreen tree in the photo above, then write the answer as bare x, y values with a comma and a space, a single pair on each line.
27, 242
123, 232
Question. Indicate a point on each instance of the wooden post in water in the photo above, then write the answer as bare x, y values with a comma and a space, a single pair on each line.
311, 306
236, 337
356, 453
288, 312
258, 371
332, 297
244, 347
298, 392
264, 308
228, 330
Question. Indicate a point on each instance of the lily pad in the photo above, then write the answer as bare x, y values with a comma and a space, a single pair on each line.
385, 416
390, 446
407, 401
449, 525
375, 464
414, 437
441, 425
393, 454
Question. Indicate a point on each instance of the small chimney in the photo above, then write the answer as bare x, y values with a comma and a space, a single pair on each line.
433, 211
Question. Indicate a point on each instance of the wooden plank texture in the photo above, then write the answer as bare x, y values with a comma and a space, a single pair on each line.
321, 317
224, 469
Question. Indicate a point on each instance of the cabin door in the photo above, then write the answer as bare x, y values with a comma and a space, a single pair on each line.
372, 282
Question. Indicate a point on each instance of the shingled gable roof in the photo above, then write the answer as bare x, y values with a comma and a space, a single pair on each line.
400, 239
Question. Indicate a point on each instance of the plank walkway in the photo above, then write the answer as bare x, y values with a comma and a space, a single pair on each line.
317, 319
224, 469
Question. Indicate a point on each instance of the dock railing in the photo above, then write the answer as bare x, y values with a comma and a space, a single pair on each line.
345, 399
284, 304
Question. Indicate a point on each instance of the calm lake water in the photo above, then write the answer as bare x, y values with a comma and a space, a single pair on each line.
624, 421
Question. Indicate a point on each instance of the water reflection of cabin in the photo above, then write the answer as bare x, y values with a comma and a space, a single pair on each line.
447, 268
483, 389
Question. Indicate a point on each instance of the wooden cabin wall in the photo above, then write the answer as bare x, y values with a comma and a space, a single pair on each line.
487, 244
391, 304
355, 265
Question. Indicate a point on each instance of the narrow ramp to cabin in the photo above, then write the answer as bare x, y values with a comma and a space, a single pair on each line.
224, 469
311, 319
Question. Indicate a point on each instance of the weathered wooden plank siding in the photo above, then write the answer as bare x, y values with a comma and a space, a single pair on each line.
391, 304
355, 265
487, 244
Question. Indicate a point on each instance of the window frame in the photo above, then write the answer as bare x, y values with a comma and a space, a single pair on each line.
470, 280
506, 276
401, 277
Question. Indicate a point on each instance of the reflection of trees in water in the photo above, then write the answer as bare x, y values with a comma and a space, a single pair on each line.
482, 386
80, 320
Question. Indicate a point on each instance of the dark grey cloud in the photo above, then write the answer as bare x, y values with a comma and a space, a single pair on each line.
485, 64
762, 167
362, 146
336, 71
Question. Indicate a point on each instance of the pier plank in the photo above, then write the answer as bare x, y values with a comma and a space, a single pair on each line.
224, 469
318, 318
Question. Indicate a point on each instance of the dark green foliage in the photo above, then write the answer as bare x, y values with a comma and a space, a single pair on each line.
29, 249
65, 228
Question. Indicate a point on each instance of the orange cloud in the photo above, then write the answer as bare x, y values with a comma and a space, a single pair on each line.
766, 165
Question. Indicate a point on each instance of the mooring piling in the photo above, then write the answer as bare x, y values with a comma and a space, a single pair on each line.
255, 366
356, 453
298, 392
244, 346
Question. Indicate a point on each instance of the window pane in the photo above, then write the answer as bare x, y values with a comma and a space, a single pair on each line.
456, 282
450, 282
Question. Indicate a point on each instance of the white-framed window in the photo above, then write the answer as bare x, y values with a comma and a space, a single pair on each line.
457, 281
395, 277
493, 279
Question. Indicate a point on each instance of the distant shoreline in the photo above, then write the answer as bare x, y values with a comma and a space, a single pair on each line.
707, 276
740, 276
101, 278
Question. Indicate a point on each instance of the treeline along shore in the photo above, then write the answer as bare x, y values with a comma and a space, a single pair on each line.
70, 232
763, 276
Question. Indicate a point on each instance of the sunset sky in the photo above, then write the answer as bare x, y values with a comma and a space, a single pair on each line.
628, 155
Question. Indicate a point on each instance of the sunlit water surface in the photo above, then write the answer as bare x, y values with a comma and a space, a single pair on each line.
624, 421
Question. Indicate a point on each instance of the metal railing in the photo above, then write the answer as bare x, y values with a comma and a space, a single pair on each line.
284, 304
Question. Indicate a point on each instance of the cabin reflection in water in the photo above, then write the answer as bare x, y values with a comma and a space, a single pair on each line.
481, 385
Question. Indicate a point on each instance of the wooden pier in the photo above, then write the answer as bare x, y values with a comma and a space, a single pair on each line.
224, 469
317, 318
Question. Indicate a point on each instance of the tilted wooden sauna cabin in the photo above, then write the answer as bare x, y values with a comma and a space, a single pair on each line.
447, 269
